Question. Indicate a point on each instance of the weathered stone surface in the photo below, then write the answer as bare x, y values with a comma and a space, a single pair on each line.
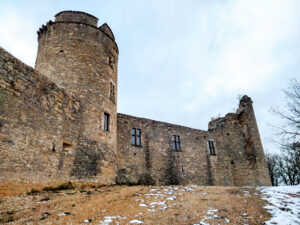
239, 158
52, 121
36, 117
81, 58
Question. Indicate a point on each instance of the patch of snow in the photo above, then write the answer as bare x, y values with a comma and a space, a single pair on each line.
155, 194
86, 221
151, 210
189, 189
136, 222
171, 198
152, 190
64, 214
121, 218
157, 203
109, 217
106, 221
226, 220
143, 205
247, 193
216, 217
284, 204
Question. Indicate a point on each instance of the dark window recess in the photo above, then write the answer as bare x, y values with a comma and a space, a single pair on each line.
136, 137
176, 143
106, 122
67, 146
112, 92
211, 147
111, 61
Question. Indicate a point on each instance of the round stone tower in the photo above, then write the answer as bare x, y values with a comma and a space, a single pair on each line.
82, 58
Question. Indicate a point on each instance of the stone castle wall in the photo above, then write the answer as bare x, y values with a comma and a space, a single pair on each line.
156, 162
39, 123
52, 121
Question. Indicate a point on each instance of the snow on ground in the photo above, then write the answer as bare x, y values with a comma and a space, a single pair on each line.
284, 204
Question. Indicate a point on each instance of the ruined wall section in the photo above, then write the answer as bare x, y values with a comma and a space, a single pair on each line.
237, 137
253, 145
228, 135
38, 124
81, 57
155, 161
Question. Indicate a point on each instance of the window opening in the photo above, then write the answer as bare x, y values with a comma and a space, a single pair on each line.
211, 147
136, 137
106, 122
176, 143
112, 93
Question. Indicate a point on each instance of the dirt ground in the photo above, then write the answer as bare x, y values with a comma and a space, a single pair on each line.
130, 205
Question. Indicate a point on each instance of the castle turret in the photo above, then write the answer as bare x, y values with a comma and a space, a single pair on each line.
82, 58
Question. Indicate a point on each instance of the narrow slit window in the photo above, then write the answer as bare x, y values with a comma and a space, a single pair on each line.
211, 147
176, 143
112, 93
136, 137
106, 122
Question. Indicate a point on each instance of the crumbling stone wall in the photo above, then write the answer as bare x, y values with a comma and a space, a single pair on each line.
156, 162
39, 124
237, 135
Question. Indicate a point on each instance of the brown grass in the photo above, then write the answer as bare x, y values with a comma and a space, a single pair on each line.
93, 202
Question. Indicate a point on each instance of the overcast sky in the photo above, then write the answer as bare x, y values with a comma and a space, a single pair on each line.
183, 62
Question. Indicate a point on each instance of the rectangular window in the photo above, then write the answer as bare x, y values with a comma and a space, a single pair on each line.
211, 147
112, 93
106, 122
136, 137
176, 143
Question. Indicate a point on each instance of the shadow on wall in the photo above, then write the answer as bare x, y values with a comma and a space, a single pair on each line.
88, 159
171, 177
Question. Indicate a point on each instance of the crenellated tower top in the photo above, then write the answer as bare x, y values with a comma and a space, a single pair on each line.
76, 17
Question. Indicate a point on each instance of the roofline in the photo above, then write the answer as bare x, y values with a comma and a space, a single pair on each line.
166, 123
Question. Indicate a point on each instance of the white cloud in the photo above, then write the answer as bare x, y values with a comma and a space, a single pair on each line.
17, 37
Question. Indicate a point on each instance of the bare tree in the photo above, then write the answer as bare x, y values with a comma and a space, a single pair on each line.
286, 166
273, 169
291, 114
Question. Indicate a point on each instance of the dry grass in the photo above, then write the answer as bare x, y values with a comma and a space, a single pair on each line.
239, 205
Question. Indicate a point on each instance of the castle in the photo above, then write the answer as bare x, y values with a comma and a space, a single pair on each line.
59, 121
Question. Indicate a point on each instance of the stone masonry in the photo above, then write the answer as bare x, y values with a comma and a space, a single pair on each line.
59, 121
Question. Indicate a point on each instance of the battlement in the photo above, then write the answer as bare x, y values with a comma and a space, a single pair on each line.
76, 16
